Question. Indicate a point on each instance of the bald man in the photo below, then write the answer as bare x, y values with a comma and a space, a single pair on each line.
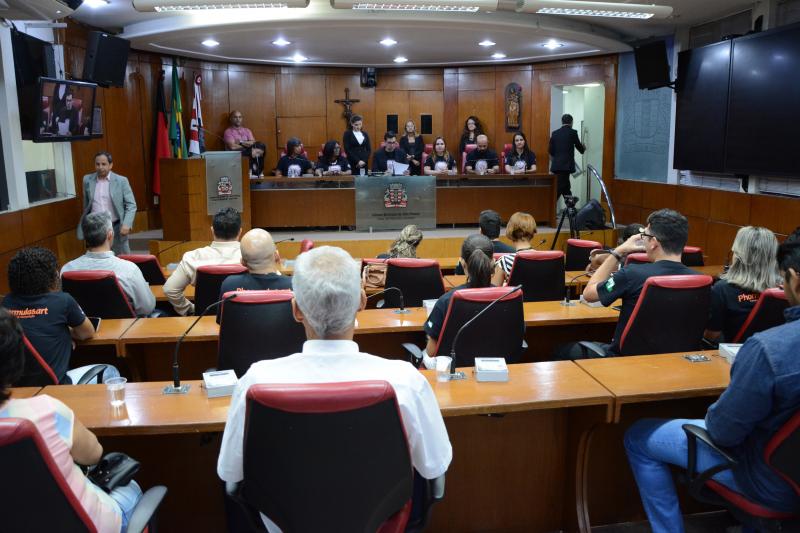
261, 258
482, 160
237, 137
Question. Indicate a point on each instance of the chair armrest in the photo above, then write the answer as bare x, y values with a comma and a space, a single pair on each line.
709, 344
433, 493
414, 352
95, 372
592, 348
146, 508
698, 479
157, 313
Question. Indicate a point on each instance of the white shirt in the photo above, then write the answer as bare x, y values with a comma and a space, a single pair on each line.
359, 136
326, 361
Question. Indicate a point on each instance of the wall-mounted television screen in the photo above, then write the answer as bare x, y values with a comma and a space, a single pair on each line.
66, 110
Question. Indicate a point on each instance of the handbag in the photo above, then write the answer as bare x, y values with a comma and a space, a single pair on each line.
114, 470
374, 275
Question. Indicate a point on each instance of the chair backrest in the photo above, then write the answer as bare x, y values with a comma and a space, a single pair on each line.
149, 265
327, 457
25, 456
578, 251
37, 373
781, 452
306, 245
767, 313
670, 315
98, 293
209, 282
428, 149
467, 149
541, 275
637, 258
257, 325
417, 279
692, 256
499, 332
503, 153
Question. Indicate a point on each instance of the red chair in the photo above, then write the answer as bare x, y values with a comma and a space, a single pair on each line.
503, 153
692, 256
257, 325
578, 251
44, 502
329, 457
425, 154
306, 245
638, 258
467, 149
98, 293
282, 151
149, 265
767, 313
38, 373
496, 256
541, 275
209, 282
780, 454
417, 279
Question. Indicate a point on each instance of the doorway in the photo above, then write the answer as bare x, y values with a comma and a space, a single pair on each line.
586, 103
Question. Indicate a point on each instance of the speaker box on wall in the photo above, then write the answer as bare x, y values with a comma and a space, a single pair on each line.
391, 123
426, 124
369, 77
106, 59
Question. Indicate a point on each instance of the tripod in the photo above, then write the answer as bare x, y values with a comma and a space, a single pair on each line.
570, 212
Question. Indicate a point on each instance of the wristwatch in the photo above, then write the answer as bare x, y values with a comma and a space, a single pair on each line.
617, 256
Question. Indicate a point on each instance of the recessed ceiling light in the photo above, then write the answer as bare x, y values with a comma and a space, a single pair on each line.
595, 84
499, 55
486, 42
299, 58
400, 59
552, 44
388, 42
96, 3
211, 43
280, 41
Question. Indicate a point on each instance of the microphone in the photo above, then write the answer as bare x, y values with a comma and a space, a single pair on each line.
402, 309
567, 288
537, 245
176, 387
204, 130
284, 240
460, 375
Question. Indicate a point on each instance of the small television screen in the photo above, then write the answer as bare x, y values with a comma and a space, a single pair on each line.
652, 65
66, 111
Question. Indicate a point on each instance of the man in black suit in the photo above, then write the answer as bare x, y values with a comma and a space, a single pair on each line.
563, 143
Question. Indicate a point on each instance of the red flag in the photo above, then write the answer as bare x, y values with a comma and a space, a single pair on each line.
162, 147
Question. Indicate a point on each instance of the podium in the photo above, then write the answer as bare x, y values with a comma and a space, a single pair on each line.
189, 199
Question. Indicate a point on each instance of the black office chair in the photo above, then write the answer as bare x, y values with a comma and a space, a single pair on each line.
149, 265
578, 251
541, 275
257, 325
37, 373
692, 256
767, 313
209, 282
417, 279
328, 457
98, 293
44, 502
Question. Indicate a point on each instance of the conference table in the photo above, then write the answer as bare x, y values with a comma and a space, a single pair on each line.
541, 452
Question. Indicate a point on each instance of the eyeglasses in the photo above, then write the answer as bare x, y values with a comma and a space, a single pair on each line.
643, 233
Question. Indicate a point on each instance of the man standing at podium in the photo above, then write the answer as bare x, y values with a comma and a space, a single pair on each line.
106, 191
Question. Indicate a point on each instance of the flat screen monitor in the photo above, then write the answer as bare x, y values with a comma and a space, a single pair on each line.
65, 110
764, 104
652, 65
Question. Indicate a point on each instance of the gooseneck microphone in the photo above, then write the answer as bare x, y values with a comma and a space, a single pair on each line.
402, 309
460, 375
567, 288
536, 247
176, 387
284, 240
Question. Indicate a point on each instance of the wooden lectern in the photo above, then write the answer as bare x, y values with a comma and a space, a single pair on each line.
184, 202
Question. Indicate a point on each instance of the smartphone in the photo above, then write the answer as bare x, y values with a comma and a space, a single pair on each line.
95, 320
616, 307
697, 358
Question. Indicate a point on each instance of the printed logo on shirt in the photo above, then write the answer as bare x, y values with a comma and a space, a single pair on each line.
29, 312
610, 284
748, 297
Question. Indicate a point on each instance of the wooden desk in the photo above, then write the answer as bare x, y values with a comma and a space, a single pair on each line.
110, 331
25, 392
158, 292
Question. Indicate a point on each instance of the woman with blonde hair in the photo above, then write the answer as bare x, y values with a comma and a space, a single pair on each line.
520, 229
753, 270
406, 243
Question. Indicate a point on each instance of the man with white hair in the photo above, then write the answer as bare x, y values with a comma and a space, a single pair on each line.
261, 258
327, 296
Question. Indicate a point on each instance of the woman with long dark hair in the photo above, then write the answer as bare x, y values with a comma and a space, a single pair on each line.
293, 164
332, 162
472, 128
520, 159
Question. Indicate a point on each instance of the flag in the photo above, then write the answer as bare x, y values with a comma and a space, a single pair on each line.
161, 137
196, 137
177, 136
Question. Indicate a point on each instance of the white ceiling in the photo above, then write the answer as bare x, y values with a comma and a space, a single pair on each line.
338, 37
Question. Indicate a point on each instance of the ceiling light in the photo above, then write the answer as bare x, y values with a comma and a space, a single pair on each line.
463, 6
96, 3
400, 59
499, 55
487, 42
299, 58
595, 84
594, 9
388, 42
552, 44
211, 43
280, 41
564, 92
162, 6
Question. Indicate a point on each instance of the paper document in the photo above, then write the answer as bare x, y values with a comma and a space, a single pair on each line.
398, 169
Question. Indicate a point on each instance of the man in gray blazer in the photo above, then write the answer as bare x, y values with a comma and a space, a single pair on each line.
106, 191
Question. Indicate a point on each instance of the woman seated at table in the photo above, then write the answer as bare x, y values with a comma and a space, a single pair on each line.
332, 162
413, 145
521, 159
69, 442
293, 164
405, 245
476, 259
256, 155
472, 128
520, 229
440, 161
753, 270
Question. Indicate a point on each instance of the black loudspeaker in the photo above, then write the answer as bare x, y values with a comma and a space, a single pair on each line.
426, 124
106, 59
391, 123
591, 216
369, 77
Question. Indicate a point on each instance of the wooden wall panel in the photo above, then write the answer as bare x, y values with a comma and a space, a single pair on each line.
10, 229
389, 103
335, 86
471, 80
781, 215
429, 103
313, 133
730, 207
719, 239
627, 192
628, 214
410, 79
694, 201
698, 227
453, 124
659, 196
300, 95
253, 93
475, 103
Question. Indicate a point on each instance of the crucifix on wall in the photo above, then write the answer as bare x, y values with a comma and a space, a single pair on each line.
347, 102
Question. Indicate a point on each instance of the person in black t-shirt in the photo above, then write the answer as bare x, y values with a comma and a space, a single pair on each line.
521, 159
293, 164
489, 223
332, 163
413, 145
754, 269
388, 155
256, 155
663, 239
472, 128
440, 161
482, 160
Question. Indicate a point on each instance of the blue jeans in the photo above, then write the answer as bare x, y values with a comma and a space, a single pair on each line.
654, 444
126, 497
